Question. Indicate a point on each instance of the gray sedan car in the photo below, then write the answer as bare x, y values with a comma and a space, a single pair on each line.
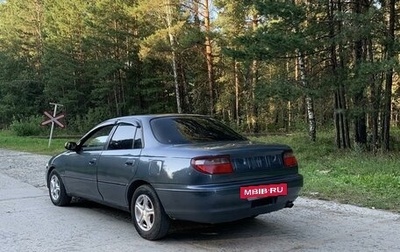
174, 167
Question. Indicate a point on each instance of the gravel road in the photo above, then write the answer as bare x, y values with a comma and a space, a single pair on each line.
29, 222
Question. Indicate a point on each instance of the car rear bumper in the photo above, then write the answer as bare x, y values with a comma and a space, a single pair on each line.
221, 203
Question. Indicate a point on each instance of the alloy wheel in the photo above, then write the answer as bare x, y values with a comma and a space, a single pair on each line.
144, 212
55, 188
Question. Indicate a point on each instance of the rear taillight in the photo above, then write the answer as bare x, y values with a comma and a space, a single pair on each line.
289, 160
213, 164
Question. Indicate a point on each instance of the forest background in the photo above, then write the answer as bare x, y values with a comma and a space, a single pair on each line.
258, 65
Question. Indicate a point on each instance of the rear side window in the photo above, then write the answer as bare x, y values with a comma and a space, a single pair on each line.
125, 137
184, 130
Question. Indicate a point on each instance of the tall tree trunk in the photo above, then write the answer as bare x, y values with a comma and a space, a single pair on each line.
196, 13
376, 89
237, 95
38, 33
360, 123
117, 81
390, 55
173, 52
340, 115
209, 56
312, 129
254, 78
186, 102
289, 105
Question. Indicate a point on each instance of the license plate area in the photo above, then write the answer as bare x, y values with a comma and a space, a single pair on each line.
263, 191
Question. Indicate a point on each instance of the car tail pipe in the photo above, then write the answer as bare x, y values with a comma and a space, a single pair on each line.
289, 204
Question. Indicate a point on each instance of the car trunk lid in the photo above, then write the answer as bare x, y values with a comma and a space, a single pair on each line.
252, 158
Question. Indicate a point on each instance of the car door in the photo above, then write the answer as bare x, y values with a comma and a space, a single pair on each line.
81, 170
119, 163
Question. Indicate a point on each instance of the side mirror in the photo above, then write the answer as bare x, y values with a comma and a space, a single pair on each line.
72, 146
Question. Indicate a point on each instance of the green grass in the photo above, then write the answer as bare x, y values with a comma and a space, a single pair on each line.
351, 176
32, 144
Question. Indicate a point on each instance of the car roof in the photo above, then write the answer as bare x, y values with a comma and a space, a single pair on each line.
147, 117
151, 116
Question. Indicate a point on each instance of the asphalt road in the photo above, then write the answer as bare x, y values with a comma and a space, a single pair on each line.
29, 222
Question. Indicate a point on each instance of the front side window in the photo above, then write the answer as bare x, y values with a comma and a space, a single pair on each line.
98, 139
183, 130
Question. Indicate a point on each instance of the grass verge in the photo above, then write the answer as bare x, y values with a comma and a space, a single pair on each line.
38, 145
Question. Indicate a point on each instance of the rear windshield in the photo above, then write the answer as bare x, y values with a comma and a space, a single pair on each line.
183, 130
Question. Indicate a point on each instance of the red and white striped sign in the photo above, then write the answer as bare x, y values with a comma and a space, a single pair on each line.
54, 119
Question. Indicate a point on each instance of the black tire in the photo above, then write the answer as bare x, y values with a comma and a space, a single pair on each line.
57, 192
148, 215
252, 217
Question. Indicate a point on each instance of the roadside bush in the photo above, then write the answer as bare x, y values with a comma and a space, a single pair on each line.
81, 124
28, 127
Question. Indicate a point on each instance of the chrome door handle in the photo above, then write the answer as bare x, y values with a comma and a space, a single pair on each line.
93, 161
130, 162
